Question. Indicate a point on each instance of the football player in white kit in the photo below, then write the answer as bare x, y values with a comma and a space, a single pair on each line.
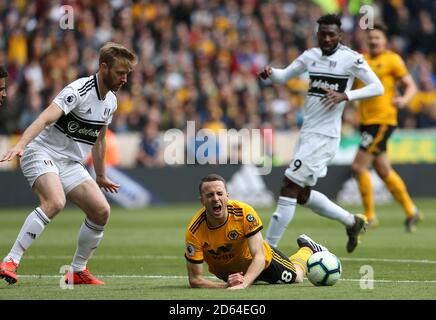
332, 68
53, 149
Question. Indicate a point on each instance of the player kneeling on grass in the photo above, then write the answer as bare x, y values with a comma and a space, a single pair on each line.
226, 235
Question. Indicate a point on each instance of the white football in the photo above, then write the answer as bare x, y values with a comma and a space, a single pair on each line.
323, 268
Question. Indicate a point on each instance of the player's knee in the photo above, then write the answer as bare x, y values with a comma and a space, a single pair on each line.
289, 188
303, 196
53, 206
357, 168
102, 214
382, 171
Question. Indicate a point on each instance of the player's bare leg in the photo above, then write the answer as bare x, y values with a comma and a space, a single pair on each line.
360, 166
300, 274
398, 189
52, 200
88, 197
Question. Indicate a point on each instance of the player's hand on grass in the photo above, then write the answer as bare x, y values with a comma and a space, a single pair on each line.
108, 185
235, 279
266, 73
332, 98
238, 287
11, 154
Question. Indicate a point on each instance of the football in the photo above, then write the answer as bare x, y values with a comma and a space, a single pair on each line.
323, 268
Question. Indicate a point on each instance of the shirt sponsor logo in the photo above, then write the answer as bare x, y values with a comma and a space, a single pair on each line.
319, 83
324, 85
89, 132
79, 129
222, 253
73, 126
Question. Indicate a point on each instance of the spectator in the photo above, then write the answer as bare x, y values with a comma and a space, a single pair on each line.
192, 51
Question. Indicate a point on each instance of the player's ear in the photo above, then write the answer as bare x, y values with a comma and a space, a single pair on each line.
104, 67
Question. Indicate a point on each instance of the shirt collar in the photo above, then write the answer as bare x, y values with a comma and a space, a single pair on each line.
96, 87
334, 50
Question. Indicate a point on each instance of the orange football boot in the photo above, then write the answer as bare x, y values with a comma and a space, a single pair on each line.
8, 271
81, 277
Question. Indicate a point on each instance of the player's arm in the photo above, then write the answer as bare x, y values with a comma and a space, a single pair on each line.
197, 280
98, 154
255, 244
50, 115
410, 90
361, 70
373, 86
276, 75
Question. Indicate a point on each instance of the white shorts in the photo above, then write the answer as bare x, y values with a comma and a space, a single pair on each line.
36, 162
311, 156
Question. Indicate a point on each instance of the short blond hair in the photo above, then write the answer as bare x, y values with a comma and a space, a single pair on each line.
112, 52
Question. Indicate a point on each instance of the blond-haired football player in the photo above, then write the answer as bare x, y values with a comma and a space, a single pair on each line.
52, 151
225, 234
378, 119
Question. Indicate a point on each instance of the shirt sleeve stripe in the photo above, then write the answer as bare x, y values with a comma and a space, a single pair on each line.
193, 261
253, 232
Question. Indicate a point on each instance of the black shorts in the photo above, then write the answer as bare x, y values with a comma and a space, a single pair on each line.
375, 137
280, 270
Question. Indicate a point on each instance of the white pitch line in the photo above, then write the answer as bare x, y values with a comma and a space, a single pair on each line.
153, 257
185, 277
388, 260
108, 257
120, 276
389, 281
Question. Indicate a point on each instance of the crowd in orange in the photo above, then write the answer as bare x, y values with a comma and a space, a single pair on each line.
198, 59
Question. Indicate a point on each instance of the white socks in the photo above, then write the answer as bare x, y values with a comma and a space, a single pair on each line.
90, 235
280, 220
321, 205
32, 228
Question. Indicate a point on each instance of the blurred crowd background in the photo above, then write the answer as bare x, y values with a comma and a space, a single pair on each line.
198, 59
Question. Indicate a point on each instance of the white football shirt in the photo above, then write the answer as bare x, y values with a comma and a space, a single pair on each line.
85, 113
337, 72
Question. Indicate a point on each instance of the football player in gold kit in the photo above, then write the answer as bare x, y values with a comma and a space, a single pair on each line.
378, 119
225, 234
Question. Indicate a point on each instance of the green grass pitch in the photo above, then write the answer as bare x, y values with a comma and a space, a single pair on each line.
141, 257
